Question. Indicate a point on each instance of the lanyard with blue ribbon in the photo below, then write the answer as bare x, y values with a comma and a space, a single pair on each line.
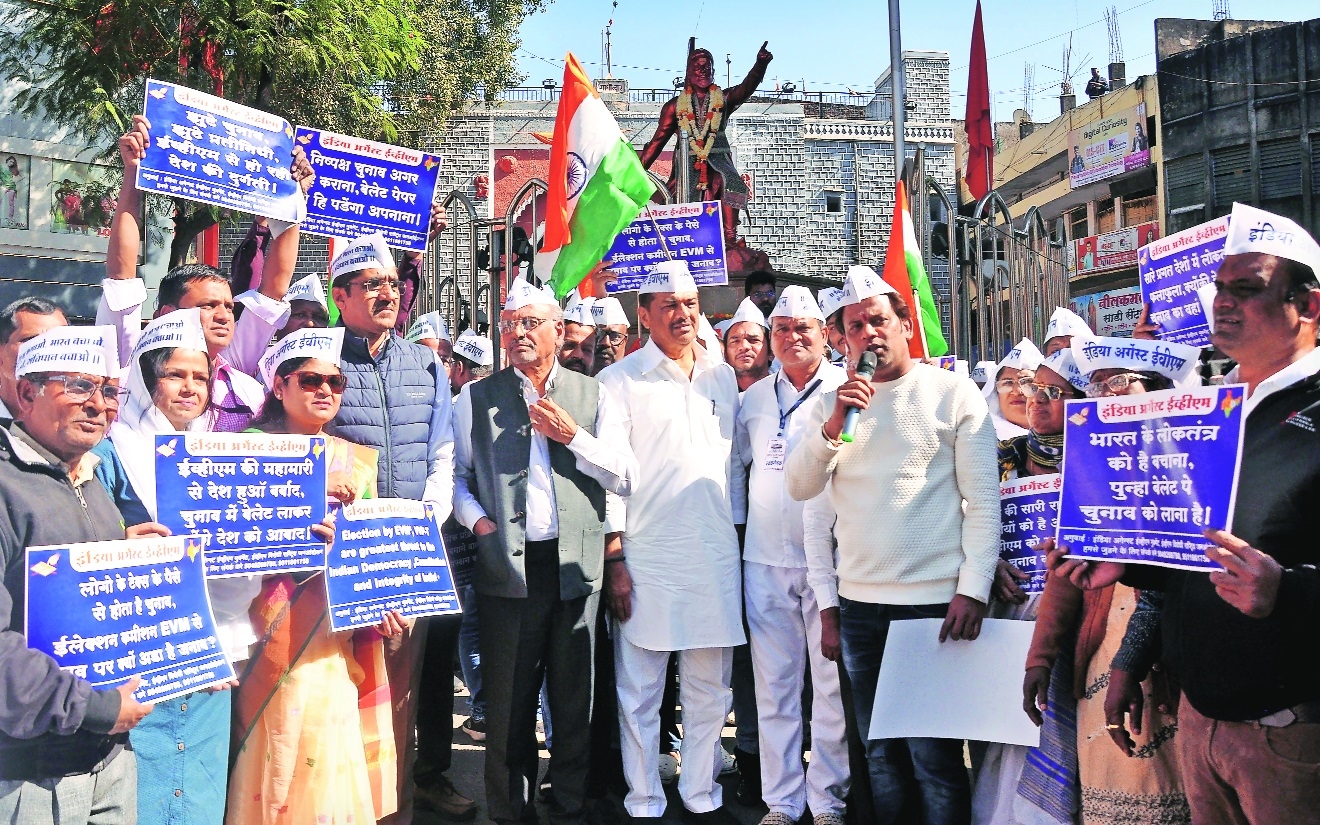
784, 416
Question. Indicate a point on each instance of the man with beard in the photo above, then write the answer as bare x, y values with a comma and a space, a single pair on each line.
759, 287
746, 349
579, 350
612, 327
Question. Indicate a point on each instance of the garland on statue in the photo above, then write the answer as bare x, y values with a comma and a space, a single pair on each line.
701, 136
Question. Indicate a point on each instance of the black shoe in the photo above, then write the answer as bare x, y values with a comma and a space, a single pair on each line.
719, 816
749, 778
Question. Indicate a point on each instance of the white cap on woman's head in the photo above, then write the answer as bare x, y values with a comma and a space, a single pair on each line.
1176, 362
1063, 363
86, 350
1024, 356
1066, 322
669, 276
321, 344
984, 371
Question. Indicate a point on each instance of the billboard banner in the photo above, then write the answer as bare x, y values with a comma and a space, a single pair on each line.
1107, 147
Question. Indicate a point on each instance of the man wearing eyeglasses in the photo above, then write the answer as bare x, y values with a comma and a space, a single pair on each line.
760, 288
612, 327
62, 744
537, 449
20, 322
398, 402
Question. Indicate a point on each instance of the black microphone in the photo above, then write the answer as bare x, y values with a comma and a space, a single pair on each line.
865, 369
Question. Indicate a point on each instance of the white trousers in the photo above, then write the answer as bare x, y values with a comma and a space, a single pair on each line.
703, 691
785, 634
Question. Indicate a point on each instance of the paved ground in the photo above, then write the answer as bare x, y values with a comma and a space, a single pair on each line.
466, 774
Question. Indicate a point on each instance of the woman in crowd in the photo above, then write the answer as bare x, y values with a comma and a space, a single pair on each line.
1005, 390
1145, 786
183, 745
315, 741
1016, 785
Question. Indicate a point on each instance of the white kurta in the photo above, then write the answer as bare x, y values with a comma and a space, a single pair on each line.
679, 540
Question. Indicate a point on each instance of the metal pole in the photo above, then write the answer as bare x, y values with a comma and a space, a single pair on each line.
896, 84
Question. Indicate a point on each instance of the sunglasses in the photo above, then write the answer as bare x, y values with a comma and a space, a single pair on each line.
1050, 391
314, 381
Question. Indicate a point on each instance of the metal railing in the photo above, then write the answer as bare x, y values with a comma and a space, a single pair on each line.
550, 94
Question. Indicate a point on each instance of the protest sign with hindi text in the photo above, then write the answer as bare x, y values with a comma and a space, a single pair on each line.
1144, 475
107, 611
211, 150
362, 187
693, 232
252, 498
1171, 270
388, 555
1029, 514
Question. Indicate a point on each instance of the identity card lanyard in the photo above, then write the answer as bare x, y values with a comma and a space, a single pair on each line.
777, 449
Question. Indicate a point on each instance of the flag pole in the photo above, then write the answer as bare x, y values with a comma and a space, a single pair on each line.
664, 246
896, 85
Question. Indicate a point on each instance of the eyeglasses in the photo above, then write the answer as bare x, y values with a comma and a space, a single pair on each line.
510, 327
611, 337
314, 381
377, 284
1114, 384
1051, 392
79, 390
1022, 382
762, 293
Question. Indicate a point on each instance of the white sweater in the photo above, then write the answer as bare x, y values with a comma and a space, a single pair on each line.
916, 492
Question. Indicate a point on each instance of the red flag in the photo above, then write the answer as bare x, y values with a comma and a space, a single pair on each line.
979, 171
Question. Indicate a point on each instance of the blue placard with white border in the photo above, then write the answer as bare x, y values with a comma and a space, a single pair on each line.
1144, 475
694, 232
362, 187
388, 555
1170, 271
107, 611
215, 151
1028, 514
252, 498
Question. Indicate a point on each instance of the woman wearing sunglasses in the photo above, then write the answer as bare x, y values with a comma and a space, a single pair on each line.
315, 738
1134, 776
183, 745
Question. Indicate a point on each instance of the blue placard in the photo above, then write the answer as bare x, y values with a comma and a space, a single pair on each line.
1028, 514
363, 187
694, 232
387, 555
1144, 475
252, 497
207, 149
1171, 270
107, 611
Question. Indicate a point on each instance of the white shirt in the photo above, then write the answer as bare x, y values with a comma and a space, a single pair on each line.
822, 552
679, 539
605, 457
774, 519
1302, 368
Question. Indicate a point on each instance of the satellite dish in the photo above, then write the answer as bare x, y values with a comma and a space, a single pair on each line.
1021, 116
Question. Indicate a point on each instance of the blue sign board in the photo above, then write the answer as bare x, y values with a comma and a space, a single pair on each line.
1028, 514
363, 187
253, 498
693, 232
1144, 475
207, 149
1171, 270
107, 611
387, 555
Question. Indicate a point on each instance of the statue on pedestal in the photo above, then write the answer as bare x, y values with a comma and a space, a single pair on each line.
700, 115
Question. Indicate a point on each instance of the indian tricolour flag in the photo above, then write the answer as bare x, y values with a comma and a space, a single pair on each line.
905, 272
597, 184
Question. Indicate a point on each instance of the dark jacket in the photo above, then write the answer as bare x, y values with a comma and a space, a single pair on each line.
389, 405
1232, 667
52, 723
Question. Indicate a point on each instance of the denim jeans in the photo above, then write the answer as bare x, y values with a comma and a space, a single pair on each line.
930, 770
469, 652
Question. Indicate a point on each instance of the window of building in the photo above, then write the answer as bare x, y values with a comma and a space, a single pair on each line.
1077, 223
1137, 211
834, 202
1105, 217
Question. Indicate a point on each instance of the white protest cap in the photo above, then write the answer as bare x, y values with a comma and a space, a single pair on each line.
1175, 362
1025, 356
750, 313
572, 298
580, 313
321, 344
830, 299
523, 294
367, 252
308, 289
722, 328
1255, 230
863, 282
1063, 363
984, 371
429, 327
88, 350
796, 302
1066, 322
669, 276
608, 312
475, 348
180, 328
706, 333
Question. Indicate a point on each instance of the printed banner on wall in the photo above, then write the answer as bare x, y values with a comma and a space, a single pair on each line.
1113, 313
1108, 147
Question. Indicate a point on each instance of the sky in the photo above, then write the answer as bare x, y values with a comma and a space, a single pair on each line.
839, 45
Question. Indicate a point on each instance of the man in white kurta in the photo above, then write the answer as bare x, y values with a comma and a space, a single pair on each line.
782, 613
676, 585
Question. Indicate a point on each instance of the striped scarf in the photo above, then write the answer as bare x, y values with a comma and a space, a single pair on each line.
1050, 778
1045, 450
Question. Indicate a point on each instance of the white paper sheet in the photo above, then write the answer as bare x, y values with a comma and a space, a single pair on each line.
955, 690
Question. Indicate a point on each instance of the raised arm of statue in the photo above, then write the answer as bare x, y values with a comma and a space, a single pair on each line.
738, 95
664, 130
